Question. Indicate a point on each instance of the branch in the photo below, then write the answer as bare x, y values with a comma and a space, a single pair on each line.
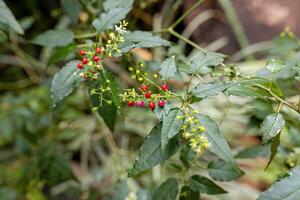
279, 99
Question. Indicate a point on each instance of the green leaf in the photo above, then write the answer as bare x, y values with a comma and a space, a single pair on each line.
187, 154
201, 64
64, 82
173, 167
246, 91
248, 87
161, 112
72, 8
271, 126
287, 188
7, 18
105, 108
219, 145
108, 19
219, 170
171, 126
141, 39
275, 65
205, 185
168, 68
54, 38
254, 152
61, 53
209, 89
167, 190
109, 4
150, 153
114, 88
274, 147
187, 193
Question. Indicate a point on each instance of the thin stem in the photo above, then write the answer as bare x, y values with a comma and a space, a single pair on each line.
86, 35
235, 24
202, 79
279, 107
193, 44
188, 86
108, 136
28, 58
83, 45
184, 15
279, 99
147, 79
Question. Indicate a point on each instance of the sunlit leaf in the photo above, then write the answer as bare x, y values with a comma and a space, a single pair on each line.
7, 17
168, 69
108, 19
271, 126
64, 82
288, 188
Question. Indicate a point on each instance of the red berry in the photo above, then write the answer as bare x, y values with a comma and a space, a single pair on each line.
144, 87
130, 103
96, 58
140, 103
161, 103
164, 87
82, 52
148, 95
79, 65
84, 60
99, 50
151, 105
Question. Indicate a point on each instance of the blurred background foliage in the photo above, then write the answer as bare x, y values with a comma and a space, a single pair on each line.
63, 154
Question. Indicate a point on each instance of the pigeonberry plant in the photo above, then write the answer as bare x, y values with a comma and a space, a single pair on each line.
114, 65
181, 127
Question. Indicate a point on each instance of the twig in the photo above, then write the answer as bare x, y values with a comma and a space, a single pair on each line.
184, 15
279, 99
108, 135
195, 23
193, 44
235, 24
201, 78
86, 35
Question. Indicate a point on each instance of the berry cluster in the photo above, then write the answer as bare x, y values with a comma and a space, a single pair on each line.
134, 98
91, 63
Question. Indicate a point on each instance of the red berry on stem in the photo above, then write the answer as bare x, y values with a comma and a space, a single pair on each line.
96, 58
164, 87
82, 52
79, 65
151, 105
140, 103
144, 87
130, 103
148, 95
161, 103
84, 60
99, 50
